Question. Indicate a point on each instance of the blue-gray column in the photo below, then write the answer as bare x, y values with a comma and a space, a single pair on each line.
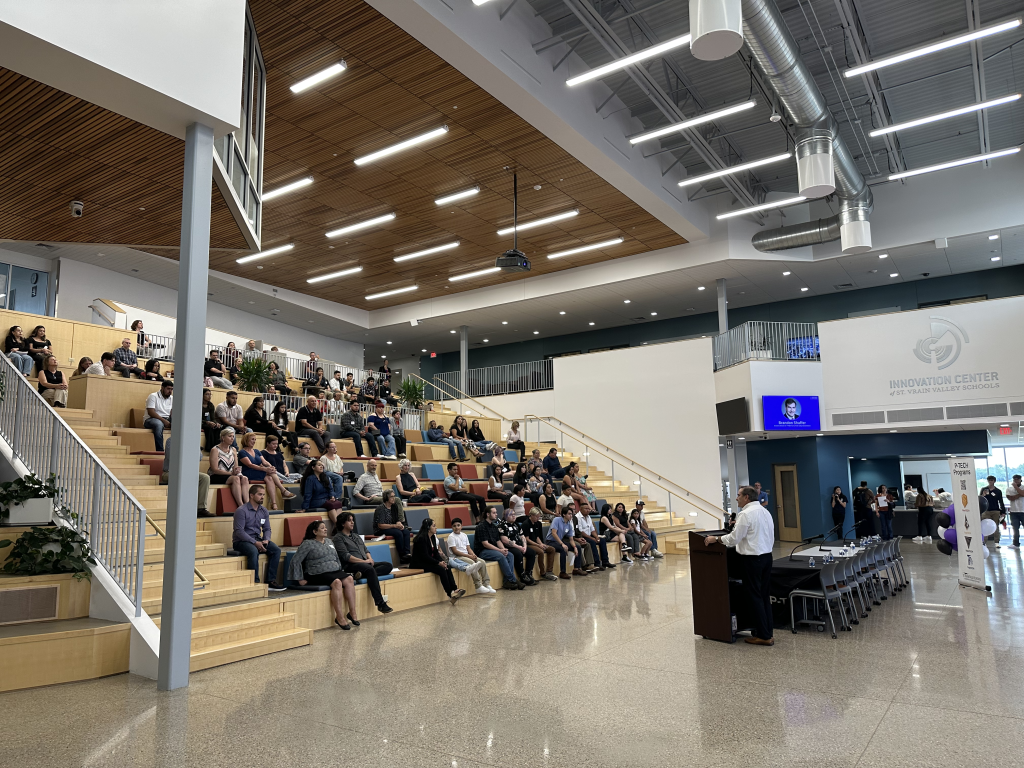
190, 340
464, 359
723, 306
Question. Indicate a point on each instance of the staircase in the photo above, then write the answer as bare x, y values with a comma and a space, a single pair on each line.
233, 619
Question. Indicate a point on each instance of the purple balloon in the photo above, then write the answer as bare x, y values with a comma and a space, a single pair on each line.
950, 535
951, 511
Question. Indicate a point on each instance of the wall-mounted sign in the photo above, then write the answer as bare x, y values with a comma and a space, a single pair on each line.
790, 413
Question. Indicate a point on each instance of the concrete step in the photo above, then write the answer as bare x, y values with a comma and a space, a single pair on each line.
85, 432
208, 596
217, 655
108, 450
241, 632
103, 442
155, 553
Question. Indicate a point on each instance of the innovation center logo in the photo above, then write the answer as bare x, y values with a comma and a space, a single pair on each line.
943, 347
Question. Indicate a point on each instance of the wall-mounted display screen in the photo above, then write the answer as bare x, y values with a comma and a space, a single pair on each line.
732, 417
790, 413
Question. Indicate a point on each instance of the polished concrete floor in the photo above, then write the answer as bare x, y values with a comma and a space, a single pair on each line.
599, 671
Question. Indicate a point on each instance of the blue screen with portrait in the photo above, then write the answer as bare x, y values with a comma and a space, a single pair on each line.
790, 413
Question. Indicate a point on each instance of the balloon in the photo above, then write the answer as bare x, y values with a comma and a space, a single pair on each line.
951, 511
988, 527
950, 535
946, 520
945, 548
987, 553
943, 520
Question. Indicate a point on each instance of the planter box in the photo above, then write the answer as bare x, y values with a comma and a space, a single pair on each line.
32, 512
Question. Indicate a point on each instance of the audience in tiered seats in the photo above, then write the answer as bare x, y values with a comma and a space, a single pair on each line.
459, 430
309, 422
437, 435
521, 475
142, 342
83, 367
250, 537
317, 491
500, 462
256, 420
211, 424
357, 560
52, 385
384, 393
426, 555
409, 488
476, 435
398, 432
454, 488
368, 391
353, 427
385, 372
311, 365
462, 557
301, 458
496, 487
548, 502
368, 490
610, 528
380, 429
588, 536
153, 370
644, 541
561, 536
389, 520
315, 384
487, 544
533, 530
224, 468
126, 362
272, 453
158, 412
39, 346
216, 371
646, 530
279, 418
535, 485
514, 440
278, 380
334, 469
350, 388
229, 413
552, 466
513, 539
103, 367
258, 470
316, 561
16, 348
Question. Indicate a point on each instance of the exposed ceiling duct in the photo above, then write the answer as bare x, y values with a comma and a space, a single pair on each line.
824, 162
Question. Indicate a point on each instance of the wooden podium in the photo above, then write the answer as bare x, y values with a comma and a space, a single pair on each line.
716, 584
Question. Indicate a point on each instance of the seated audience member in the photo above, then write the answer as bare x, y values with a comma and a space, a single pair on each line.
535, 485
535, 461
586, 534
561, 536
335, 405
315, 384
317, 492
398, 432
437, 435
356, 559
250, 537
552, 466
39, 346
353, 426
153, 370
350, 387
203, 503
211, 424
533, 530
272, 453
517, 502
302, 457
368, 391
224, 468
646, 529
645, 543
426, 555
16, 348
477, 436
126, 361
158, 412
368, 489
514, 440
381, 424
499, 462
612, 531
460, 431
143, 346
52, 385
571, 479
549, 503
103, 367
583, 489
309, 370
513, 539
384, 393
521, 475
621, 519
309, 422
250, 352
496, 488
229, 413
257, 421
334, 466
83, 366
409, 488
488, 546
258, 469
231, 356
216, 371
389, 520
279, 418
316, 561
454, 489
278, 380
462, 557
336, 383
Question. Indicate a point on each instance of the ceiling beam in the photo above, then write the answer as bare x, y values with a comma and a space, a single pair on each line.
978, 72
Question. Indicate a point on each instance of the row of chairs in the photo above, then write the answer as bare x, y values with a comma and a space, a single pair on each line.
866, 576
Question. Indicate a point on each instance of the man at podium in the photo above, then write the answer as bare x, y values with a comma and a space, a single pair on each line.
753, 537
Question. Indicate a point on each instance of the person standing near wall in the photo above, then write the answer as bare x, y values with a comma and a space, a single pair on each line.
883, 511
863, 515
839, 502
996, 509
1015, 495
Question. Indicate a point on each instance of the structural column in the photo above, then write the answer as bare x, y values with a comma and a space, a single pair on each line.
464, 358
723, 308
184, 450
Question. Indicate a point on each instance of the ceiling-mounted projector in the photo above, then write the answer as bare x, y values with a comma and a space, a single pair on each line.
514, 260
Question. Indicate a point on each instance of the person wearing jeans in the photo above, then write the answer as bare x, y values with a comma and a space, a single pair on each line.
462, 557
884, 511
453, 488
1015, 496
251, 537
158, 412
389, 520
385, 440
488, 546
598, 545
436, 435
560, 536
354, 427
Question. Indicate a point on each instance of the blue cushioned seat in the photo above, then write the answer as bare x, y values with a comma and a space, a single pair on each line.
364, 523
512, 456
381, 553
433, 472
414, 517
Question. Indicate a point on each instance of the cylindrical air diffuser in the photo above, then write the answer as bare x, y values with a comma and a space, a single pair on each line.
814, 168
717, 28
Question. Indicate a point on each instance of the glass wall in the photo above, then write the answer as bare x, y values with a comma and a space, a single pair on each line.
1003, 463
23, 289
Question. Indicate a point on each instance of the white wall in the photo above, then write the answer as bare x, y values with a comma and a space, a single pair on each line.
756, 378
80, 283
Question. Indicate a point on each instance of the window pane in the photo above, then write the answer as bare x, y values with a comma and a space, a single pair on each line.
238, 176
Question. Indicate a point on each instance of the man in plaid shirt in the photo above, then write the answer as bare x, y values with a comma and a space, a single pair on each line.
125, 360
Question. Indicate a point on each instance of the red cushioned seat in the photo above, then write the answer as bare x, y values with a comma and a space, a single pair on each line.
468, 472
156, 465
439, 490
451, 512
480, 489
295, 529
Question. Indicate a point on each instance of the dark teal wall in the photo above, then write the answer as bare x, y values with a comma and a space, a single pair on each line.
994, 283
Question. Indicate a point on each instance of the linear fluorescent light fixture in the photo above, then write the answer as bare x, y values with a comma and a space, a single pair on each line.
361, 225
762, 207
457, 196
428, 251
927, 49
395, 292
264, 254
625, 61
319, 77
540, 222
402, 145
707, 118
333, 275
471, 275
480, 2
945, 115
584, 248
270, 195
955, 163
735, 169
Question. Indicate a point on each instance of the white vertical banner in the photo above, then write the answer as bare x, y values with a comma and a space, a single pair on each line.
970, 542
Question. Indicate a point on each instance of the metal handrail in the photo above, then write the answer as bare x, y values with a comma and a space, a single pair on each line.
685, 495
507, 379
203, 581
464, 396
109, 517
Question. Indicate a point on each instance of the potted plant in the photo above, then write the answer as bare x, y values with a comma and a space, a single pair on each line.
411, 392
28, 500
54, 549
254, 375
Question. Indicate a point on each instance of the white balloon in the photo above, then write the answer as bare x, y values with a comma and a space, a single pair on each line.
988, 527
985, 549
941, 531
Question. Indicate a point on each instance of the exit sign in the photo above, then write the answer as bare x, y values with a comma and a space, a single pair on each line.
1006, 430
433, 354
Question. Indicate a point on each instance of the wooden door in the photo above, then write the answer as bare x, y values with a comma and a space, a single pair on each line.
787, 502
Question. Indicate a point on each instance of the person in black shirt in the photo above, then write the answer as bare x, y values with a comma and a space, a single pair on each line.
488, 545
384, 393
533, 531
996, 508
368, 392
389, 520
426, 554
308, 423
216, 371
257, 420
409, 487
279, 418
315, 383
839, 502
39, 346
513, 540
211, 425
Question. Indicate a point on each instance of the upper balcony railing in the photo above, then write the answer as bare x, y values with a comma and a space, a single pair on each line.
759, 340
496, 380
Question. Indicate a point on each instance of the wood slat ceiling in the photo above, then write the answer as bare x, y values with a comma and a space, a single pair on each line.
55, 148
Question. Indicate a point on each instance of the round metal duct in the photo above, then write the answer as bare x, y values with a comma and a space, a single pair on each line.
716, 27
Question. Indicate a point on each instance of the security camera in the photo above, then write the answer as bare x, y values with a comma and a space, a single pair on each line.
926, 274
77, 208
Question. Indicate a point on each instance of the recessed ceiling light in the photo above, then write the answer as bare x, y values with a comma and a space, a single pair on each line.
423, 350
654, 314
562, 312
428, 251
319, 77
535, 333
361, 225
762, 207
700, 287
786, 274
504, 322
590, 323
894, 274
892, 430
990, 237
381, 153
389, 342
540, 222
471, 275
996, 258
699, 120
583, 248
451, 331
883, 255
625, 301
457, 196
271, 194
264, 254
332, 275
625, 61
391, 293
486, 340
804, 288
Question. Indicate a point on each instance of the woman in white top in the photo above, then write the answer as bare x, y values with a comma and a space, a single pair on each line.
516, 502
515, 441
332, 461
496, 488
224, 467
